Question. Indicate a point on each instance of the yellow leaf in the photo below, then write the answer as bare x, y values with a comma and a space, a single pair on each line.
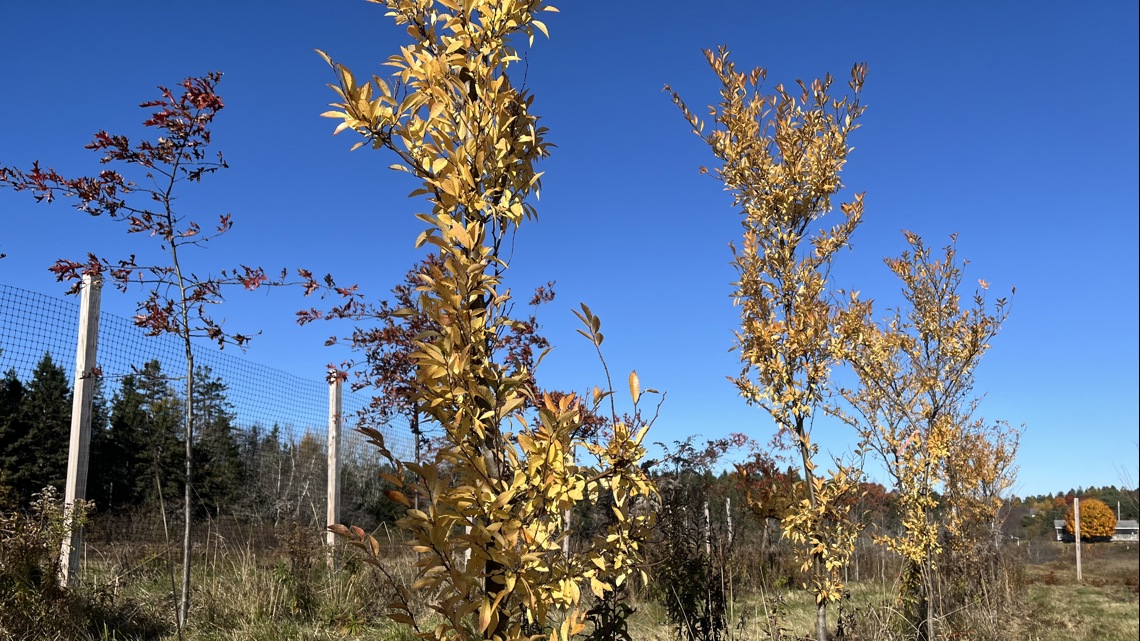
598, 588
401, 617
484, 616
641, 435
634, 386
399, 497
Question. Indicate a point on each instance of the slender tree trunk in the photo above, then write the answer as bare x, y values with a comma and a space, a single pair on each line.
928, 596
416, 435
882, 565
818, 569
493, 443
188, 514
187, 509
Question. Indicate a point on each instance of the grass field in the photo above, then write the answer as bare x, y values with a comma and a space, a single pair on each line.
1103, 607
243, 597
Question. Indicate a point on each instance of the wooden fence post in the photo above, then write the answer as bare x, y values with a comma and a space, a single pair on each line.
1077, 527
728, 517
335, 423
82, 396
708, 531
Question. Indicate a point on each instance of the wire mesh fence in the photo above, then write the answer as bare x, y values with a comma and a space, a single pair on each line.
260, 443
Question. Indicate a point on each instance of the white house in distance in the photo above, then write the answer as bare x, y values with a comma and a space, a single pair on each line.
1126, 530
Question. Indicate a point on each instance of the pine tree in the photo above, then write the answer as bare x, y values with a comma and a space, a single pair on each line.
11, 427
39, 455
101, 473
11, 421
120, 475
217, 457
117, 477
141, 444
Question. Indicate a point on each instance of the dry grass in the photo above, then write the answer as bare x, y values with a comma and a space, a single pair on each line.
754, 617
289, 594
1055, 608
1104, 607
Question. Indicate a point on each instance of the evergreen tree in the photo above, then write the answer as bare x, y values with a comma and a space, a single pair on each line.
11, 421
11, 427
217, 457
122, 468
141, 451
270, 475
253, 498
117, 474
39, 455
99, 472
162, 437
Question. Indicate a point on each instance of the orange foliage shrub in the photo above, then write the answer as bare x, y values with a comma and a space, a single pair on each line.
1097, 520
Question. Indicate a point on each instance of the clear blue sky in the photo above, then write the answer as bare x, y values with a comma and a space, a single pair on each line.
1014, 124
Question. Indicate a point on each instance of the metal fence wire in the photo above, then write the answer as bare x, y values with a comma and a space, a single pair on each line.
261, 434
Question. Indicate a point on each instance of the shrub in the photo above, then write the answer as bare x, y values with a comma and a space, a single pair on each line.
32, 603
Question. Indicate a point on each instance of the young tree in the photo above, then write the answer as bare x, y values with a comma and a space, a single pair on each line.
176, 298
914, 403
499, 484
780, 155
690, 554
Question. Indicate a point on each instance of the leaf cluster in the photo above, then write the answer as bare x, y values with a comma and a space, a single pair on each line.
780, 156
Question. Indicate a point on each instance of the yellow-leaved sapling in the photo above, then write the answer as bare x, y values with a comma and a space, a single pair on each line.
488, 535
914, 406
780, 155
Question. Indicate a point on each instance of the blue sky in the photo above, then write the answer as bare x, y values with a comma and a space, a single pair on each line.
1013, 124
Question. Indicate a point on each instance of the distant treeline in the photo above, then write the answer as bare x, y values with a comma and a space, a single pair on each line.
137, 456
1111, 495
1033, 516
264, 475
